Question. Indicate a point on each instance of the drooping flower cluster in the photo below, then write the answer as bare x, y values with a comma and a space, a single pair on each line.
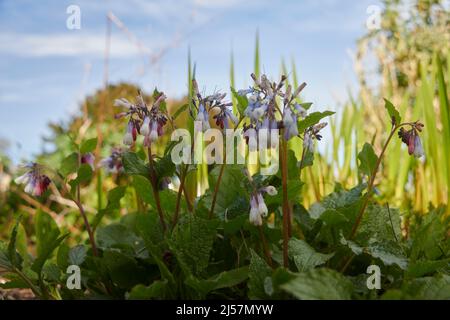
213, 105
143, 120
113, 164
35, 182
258, 208
262, 108
412, 139
312, 133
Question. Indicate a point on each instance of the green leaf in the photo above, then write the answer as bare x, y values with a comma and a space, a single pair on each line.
123, 269
306, 105
51, 272
312, 119
226, 279
379, 224
192, 242
428, 288
143, 188
165, 167
242, 102
308, 160
77, 255
180, 110
62, 256
305, 257
84, 175
46, 253
88, 146
114, 197
14, 257
429, 235
228, 199
426, 267
259, 270
46, 231
69, 164
393, 113
5, 262
367, 160
118, 236
134, 165
157, 290
333, 217
389, 252
320, 284
149, 228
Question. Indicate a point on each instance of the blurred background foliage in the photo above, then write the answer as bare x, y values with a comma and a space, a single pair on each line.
406, 61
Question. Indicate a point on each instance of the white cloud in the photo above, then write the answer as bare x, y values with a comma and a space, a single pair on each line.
67, 44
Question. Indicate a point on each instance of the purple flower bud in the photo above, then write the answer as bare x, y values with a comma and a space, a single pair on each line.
128, 138
250, 135
418, 148
41, 185
113, 164
308, 142
245, 92
122, 103
145, 128
154, 131
255, 216
23, 179
270, 190
300, 110
287, 117
262, 206
88, 158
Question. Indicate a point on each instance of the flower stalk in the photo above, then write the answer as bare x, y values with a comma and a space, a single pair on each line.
154, 183
410, 138
285, 207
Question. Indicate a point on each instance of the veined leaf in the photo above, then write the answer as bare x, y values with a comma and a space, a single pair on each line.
133, 165
88, 145
393, 113
313, 119
367, 160
320, 284
305, 257
259, 270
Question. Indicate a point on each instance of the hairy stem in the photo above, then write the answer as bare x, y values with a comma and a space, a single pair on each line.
265, 247
286, 213
154, 182
216, 190
86, 223
180, 192
371, 184
77, 201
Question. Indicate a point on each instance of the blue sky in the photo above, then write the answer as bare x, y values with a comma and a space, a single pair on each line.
45, 68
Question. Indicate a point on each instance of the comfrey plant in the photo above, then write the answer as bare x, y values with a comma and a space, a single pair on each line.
273, 107
148, 121
248, 227
144, 120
